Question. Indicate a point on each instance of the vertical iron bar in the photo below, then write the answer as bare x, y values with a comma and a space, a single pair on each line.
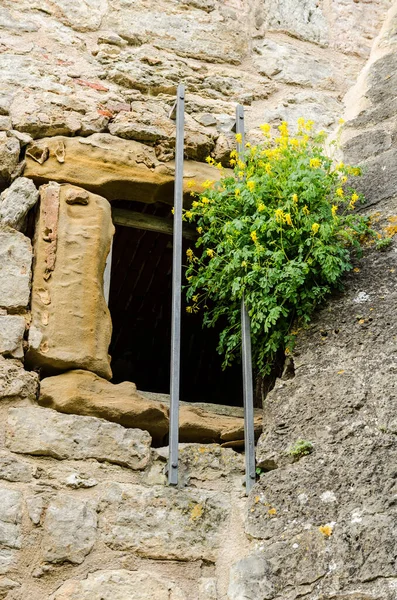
176, 290
249, 434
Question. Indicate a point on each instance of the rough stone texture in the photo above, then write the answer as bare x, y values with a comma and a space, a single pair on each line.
84, 393
16, 201
15, 265
305, 20
12, 329
12, 469
71, 325
44, 432
15, 382
10, 518
9, 157
183, 524
117, 169
69, 530
119, 585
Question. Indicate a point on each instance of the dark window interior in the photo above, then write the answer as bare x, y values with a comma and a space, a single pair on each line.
140, 305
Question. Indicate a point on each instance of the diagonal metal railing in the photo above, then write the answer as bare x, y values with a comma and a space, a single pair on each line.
249, 439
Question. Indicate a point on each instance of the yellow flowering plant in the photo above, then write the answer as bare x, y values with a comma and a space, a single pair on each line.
280, 230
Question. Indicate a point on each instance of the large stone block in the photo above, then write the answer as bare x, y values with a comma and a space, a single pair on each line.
15, 265
71, 325
15, 382
16, 201
70, 527
12, 329
304, 20
10, 518
44, 432
9, 157
119, 585
162, 522
84, 393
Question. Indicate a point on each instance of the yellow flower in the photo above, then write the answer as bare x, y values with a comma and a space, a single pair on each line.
173, 210
261, 207
207, 184
195, 204
195, 298
232, 162
254, 237
248, 145
315, 228
309, 125
353, 200
237, 192
205, 200
209, 160
265, 128
339, 192
315, 163
343, 179
251, 185
268, 168
301, 122
191, 183
233, 154
279, 214
239, 138
288, 219
305, 210
295, 198
334, 209
199, 230
219, 166
244, 263
210, 252
294, 142
283, 129
241, 165
189, 309
240, 174
341, 121
189, 254
340, 166
188, 214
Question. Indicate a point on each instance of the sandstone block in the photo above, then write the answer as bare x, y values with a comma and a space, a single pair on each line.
119, 585
16, 201
12, 329
184, 524
9, 157
84, 393
6, 586
71, 325
15, 382
15, 265
304, 20
118, 169
10, 518
70, 527
44, 432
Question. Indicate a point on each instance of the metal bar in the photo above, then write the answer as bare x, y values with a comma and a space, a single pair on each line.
176, 290
248, 391
107, 274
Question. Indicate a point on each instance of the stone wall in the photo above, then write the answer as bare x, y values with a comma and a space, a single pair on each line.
86, 513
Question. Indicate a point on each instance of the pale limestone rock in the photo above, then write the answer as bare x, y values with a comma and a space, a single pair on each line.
44, 432
12, 329
16, 201
10, 518
85, 15
207, 589
304, 20
15, 382
71, 325
7, 560
9, 157
70, 529
15, 265
184, 524
119, 585
12, 469
285, 63
251, 578
84, 393
35, 506
6, 586
118, 169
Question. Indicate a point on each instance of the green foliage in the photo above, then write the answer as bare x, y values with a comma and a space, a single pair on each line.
300, 448
279, 231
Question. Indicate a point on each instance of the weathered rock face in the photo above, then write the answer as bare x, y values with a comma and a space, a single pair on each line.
15, 382
12, 329
9, 157
71, 325
84, 393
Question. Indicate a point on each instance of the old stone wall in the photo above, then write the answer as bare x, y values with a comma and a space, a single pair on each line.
85, 512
